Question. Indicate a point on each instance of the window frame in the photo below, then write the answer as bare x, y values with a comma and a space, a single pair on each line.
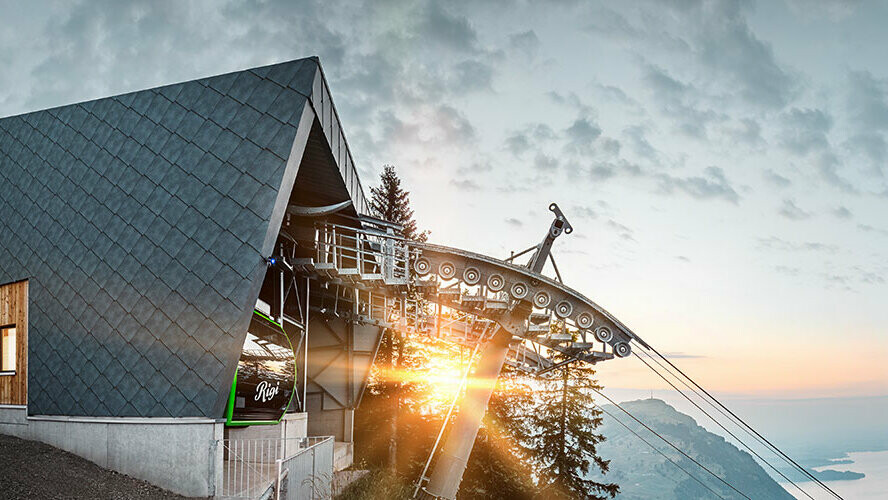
9, 373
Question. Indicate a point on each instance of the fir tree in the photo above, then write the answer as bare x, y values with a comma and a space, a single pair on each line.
564, 442
390, 202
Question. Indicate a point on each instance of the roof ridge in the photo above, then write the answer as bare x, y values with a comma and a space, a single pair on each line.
314, 59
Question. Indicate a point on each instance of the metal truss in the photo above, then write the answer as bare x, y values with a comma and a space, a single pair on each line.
391, 277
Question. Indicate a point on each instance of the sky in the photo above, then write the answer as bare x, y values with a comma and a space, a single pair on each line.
722, 162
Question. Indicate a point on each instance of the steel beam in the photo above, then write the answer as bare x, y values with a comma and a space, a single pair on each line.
451, 464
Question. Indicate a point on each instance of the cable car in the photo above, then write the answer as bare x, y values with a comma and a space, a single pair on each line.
265, 379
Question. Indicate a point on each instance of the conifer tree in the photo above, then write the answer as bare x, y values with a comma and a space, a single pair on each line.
564, 441
389, 201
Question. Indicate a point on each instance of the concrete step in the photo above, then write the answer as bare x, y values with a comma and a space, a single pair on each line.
343, 455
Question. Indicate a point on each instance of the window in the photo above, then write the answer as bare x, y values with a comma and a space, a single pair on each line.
7, 349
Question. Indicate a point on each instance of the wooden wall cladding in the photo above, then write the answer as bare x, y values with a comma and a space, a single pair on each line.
14, 311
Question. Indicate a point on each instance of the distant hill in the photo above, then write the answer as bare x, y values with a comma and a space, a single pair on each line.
644, 474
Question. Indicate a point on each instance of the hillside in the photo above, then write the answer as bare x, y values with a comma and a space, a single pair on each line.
643, 473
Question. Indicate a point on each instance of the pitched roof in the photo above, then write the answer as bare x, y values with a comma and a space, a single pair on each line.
142, 221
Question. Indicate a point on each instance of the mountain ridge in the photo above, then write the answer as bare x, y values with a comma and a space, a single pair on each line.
643, 473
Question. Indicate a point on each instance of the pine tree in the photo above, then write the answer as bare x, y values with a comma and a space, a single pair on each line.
389, 201
564, 442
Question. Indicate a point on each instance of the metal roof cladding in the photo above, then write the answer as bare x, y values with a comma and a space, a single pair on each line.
142, 221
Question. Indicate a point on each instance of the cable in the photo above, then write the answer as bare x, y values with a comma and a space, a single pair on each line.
720, 425
670, 444
658, 451
748, 427
714, 420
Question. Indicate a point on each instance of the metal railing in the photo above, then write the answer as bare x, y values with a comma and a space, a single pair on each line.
370, 255
308, 475
249, 466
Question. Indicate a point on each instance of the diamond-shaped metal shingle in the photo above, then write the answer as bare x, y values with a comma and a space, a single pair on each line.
139, 221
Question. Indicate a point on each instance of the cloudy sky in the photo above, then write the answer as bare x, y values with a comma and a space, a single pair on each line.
723, 163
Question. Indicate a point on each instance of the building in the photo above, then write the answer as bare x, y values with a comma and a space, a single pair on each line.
137, 231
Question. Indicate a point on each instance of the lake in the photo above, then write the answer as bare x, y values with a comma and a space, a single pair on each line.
874, 486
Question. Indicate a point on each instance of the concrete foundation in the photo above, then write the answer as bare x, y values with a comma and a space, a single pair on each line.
178, 454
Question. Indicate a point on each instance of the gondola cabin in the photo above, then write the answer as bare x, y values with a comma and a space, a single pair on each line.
265, 378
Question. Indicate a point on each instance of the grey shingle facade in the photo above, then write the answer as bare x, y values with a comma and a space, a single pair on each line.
142, 222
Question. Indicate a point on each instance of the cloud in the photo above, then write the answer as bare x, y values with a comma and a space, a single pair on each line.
871, 278
830, 9
514, 222
805, 130
842, 212
714, 185
465, 184
682, 355
525, 43
787, 270
679, 101
518, 143
867, 101
475, 167
545, 162
790, 210
776, 179
528, 137
776, 243
604, 170
616, 94
871, 229
748, 131
637, 138
571, 101
472, 76
714, 34
584, 211
827, 165
428, 125
580, 135
724, 42
871, 144
622, 231
609, 146
448, 30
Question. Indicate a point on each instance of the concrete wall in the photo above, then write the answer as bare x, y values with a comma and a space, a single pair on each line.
336, 423
178, 454
340, 425
293, 425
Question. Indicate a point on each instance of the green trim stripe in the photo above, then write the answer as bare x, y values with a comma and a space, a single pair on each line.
229, 414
